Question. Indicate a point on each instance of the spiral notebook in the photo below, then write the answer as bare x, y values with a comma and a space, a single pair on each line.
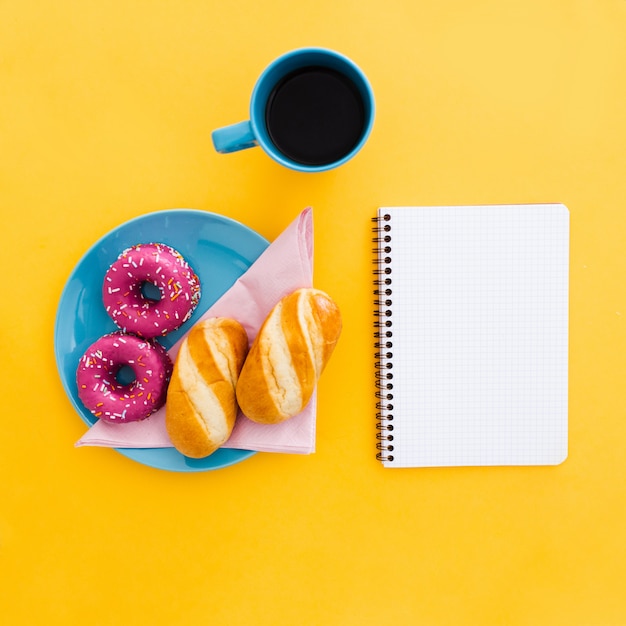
472, 335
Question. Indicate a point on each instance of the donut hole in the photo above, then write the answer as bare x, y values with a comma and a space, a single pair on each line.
150, 291
125, 376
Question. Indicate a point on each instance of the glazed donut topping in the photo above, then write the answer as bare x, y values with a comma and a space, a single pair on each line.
111, 400
162, 267
141, 317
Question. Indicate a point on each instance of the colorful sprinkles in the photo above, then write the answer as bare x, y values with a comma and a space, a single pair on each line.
165, 268
110, 400
141, 319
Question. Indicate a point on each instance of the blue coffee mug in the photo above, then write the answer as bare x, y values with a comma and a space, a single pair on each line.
311, 110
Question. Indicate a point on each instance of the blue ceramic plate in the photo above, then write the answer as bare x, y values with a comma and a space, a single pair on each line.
219, 249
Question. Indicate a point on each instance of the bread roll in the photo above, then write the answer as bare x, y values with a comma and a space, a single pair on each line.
288, 356
201, 407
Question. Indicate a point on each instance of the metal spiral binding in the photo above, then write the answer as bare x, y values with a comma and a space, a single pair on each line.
383, 334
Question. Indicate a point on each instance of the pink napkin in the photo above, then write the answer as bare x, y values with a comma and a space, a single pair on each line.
284, 266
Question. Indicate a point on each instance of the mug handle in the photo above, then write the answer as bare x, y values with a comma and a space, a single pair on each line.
234, 137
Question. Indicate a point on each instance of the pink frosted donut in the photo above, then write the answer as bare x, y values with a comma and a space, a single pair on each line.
163, 267
99, 389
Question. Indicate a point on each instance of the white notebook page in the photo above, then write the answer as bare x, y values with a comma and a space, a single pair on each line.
479, 312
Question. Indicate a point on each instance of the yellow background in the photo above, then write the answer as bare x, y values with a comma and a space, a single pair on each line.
106, 110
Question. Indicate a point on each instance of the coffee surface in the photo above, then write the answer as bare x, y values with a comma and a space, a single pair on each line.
315, 116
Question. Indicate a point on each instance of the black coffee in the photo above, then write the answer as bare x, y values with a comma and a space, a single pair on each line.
315, 116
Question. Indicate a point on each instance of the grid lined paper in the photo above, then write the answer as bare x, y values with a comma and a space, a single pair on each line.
479, 312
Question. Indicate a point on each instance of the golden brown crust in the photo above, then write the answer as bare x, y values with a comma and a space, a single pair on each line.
255, 393
288, 356
296, 333
201, 407
329, 322
184, 429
